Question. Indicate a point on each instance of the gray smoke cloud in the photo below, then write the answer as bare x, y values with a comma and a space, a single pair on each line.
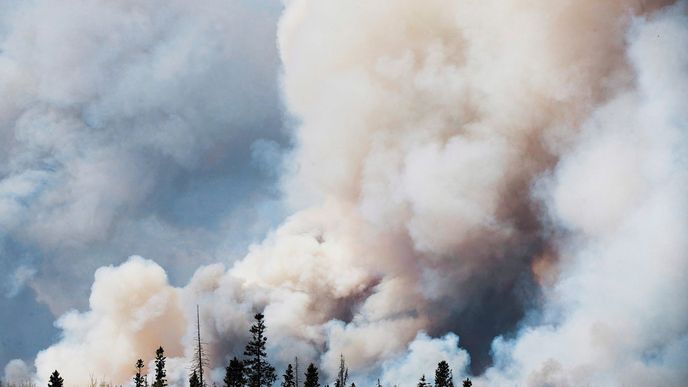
126, 128
499, 184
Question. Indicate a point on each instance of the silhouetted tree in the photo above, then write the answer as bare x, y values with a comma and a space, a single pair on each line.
160, 373
343, 373
234, 374
193, 380
443, 375
378, 383
200, 358
296, 372
467, 383
288, 377
422, 382
311, 376
138, 378
55, 380
259, 372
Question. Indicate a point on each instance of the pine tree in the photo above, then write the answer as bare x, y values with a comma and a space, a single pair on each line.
260, 373
422, 382
378, 383
234, 374
55, 380
193, 380
311, 376
467, 383
343, 373
443, 375
296, 372
160, 373
200, 358
138, 378
288, 377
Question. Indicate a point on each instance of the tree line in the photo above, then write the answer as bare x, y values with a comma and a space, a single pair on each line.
254, 370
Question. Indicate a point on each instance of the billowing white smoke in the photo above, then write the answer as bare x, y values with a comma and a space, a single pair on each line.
108, 106
450, 153
129, 305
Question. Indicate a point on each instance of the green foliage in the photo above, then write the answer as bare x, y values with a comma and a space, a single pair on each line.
160, 373
422, 382
55, 380
311, 376
259, 372
194, 381
234, 374
138, 378
443, 375
288, 377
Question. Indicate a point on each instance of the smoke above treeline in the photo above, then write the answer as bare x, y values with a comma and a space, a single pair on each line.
498, 184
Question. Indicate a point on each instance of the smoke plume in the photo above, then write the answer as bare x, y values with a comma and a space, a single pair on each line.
500, 184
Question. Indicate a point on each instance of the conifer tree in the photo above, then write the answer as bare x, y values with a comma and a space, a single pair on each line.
296, 372
378, 383
138, 378
193, 380
259, 372
199, 360
55, 380
443, 375
234, 374
343, 373
467, 383
288, 377
422, 382
311, 376
160, 373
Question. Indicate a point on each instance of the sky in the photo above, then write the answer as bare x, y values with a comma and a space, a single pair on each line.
129, 129
498, 184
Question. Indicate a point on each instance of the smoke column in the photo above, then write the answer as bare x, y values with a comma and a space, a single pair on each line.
501, 184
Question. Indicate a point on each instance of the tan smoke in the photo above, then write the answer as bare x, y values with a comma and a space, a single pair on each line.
448, 152
133, 310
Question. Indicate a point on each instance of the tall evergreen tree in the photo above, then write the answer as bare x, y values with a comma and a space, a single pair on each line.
467, 383
193, 380
200, 357
55, 380
234, 374
422, 382
138, 378
378, 383
311, 376
259, 372
288, 377
343, 373
160, 373
443, 375
296, 372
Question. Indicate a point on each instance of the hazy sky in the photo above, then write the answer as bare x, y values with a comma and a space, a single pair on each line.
127, 128
499, 183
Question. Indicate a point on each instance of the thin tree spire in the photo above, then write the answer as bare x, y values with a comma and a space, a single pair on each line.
296, 371
200, 358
